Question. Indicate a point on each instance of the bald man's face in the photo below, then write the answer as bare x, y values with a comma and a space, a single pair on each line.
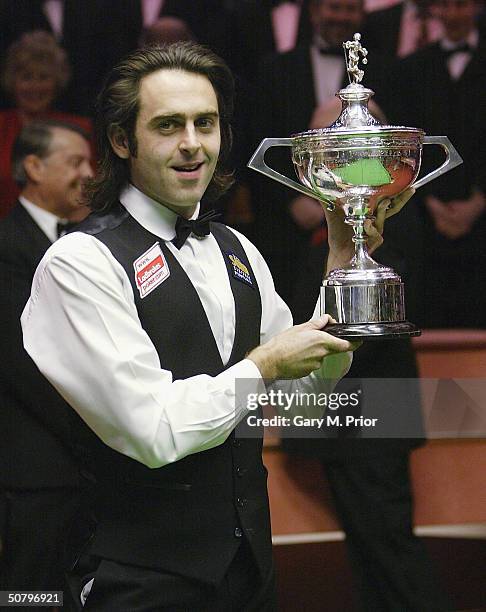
62, 172
336, 20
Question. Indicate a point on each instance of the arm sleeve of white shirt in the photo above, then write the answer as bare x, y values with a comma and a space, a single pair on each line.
81, 328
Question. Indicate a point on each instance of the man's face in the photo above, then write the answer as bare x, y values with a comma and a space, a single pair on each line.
63, 171
336, 20
178, 138
457, 16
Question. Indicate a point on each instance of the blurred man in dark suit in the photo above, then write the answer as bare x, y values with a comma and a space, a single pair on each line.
401, 29
442, 91
262, 27
38, 478
208, 21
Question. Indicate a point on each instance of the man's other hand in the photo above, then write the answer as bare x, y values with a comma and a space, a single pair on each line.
340, 234
298, 351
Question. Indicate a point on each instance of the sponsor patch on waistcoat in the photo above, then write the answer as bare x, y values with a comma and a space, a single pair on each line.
151, 269
240, 271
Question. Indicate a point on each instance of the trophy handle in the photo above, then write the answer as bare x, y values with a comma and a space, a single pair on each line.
257, 162
453, 159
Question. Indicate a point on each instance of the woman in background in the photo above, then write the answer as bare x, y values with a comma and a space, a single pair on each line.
35, 72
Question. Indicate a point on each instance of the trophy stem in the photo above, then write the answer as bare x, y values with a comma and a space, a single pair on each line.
357, 211
361, 259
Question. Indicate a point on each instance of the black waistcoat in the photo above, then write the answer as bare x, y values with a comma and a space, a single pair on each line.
187, 517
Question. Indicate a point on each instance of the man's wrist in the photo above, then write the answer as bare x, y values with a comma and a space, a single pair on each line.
265, 361
337, 259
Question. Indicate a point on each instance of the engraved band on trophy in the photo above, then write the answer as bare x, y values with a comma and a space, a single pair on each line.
354, 164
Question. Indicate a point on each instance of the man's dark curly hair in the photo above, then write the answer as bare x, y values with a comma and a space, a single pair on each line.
118, 105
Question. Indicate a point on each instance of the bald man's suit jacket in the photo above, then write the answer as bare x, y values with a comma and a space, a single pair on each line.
34, 423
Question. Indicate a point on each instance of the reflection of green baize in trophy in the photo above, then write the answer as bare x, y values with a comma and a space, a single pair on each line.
364, 172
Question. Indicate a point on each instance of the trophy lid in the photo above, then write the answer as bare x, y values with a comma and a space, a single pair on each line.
355, 97
355, 116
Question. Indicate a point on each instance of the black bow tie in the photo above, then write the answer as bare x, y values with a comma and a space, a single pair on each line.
199, 226
332, 51
462, 48
64, 228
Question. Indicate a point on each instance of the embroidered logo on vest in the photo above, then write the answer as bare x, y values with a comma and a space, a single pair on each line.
240, 271
151, 270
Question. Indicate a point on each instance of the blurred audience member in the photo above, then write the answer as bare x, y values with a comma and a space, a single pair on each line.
36, 71
166, 30
208, 20
94, 34
442, 91
261, 27
18, 17
402, 28
38, 478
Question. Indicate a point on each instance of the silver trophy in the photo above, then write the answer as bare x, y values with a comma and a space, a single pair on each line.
354, 164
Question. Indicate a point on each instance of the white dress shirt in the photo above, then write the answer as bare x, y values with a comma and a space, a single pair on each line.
457, 63
327, 71
46, 220
81, 328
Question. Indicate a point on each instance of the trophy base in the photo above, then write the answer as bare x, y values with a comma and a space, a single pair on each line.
367, 310
365, 301
373, 331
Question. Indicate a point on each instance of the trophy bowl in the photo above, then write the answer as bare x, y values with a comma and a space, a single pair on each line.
354, 164
350, 167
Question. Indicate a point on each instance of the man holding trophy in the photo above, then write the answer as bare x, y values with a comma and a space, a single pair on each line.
161, 312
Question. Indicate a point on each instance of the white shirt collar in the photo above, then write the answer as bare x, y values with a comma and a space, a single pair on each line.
327, 70
320, 43
46, 220
151, 215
